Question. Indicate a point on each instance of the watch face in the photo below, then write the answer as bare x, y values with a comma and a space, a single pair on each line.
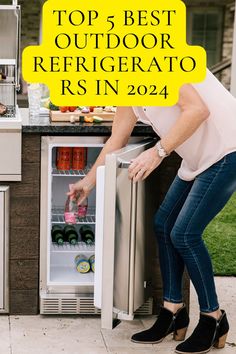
162, 153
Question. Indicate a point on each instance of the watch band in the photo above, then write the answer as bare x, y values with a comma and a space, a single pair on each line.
161, 151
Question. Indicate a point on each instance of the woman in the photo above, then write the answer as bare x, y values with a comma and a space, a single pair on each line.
201, 128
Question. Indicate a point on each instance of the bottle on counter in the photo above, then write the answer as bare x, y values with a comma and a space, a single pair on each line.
83, 208
79, 158
87, 234
82, 263
64, 157
92, 263
57, 234
71, 234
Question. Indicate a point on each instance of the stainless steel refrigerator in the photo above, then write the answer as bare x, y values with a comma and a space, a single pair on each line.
10, 120
120, 213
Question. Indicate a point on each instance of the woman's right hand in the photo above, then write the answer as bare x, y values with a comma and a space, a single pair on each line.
80, 190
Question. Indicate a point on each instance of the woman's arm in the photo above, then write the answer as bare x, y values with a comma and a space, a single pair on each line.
193, 113
123, 124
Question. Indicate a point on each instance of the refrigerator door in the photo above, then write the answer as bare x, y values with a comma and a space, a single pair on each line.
120, 242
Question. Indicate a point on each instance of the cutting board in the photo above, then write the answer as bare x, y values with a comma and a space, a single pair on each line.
57, 116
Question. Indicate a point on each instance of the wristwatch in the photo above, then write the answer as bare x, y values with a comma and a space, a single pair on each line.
160, 150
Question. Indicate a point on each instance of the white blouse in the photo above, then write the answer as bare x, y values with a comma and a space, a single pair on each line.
215, 137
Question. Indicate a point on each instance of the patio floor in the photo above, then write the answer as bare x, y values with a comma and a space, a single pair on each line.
82, 335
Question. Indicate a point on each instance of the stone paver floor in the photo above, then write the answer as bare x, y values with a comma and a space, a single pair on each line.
82, 335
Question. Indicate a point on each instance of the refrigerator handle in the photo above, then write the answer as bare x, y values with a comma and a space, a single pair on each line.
124, 164
134, 189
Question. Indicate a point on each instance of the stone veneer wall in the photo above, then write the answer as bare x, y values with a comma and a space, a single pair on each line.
24, 231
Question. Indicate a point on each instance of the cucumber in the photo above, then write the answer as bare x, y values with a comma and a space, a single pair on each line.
52, 107
97, 119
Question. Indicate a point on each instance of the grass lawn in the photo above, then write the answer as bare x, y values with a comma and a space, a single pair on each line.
220, 238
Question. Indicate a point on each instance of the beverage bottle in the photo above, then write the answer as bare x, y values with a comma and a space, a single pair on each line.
70, 210
87, 234
82, 208
82, 263
71, 234
92, 262
57, 234
79, 159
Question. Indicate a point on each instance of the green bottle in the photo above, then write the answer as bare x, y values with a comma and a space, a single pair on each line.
87, 234
71, 234
57, 234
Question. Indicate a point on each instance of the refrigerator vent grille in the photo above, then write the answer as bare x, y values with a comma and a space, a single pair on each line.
81, 305
146, 308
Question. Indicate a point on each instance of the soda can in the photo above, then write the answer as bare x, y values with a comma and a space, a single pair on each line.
79, 158
82, 263
64, 156
92, 262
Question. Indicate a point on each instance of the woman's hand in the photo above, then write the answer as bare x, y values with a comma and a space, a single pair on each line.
80, 190
144, 164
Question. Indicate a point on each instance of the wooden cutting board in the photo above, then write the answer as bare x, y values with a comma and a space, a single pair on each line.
57, 116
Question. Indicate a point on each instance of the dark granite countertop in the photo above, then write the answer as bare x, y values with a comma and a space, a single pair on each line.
44, 127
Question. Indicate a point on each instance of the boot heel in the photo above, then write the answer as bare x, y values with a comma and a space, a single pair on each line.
220, 343
180, 334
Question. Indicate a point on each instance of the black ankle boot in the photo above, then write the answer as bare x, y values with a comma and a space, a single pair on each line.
208, 333
166, 323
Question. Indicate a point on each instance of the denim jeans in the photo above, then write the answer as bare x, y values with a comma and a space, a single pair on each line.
179, 223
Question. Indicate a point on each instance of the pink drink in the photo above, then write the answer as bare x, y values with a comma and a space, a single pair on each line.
70, 211
82, 209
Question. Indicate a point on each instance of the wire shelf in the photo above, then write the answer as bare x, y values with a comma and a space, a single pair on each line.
78, 247
58, 216
71, 173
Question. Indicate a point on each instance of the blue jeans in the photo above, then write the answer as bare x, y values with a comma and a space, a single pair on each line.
179, 223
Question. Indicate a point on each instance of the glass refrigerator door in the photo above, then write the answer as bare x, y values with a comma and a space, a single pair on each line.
59, 273
120, 277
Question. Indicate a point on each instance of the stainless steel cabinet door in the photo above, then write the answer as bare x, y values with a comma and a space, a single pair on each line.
4, 259
10, 154
120, 237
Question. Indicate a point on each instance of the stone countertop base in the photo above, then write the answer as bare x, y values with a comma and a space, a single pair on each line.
45, 127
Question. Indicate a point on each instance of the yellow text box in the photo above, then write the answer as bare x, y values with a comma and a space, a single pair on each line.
117, 53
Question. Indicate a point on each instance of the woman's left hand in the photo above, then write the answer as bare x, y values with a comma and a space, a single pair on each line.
144, 164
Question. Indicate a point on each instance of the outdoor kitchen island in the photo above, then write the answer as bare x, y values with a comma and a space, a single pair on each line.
24, 243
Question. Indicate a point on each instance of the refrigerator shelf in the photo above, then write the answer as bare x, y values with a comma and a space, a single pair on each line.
71, 173
79, 247
58, 216
70, 276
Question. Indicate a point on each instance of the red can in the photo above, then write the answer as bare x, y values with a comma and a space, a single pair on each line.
64, 157
79, 158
